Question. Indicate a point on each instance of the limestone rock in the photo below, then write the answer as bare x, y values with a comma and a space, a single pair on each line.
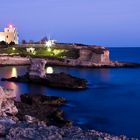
7, 102
94, 55
37, 68
55, 80
39, 108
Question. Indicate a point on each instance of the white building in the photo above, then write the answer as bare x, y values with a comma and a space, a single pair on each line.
9, 35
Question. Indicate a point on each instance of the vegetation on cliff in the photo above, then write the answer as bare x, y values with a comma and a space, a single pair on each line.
40, 52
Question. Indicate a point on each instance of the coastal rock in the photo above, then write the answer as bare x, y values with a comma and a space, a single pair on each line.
30, 119
38, 132
34, 132
35, 108
56, 80
36, 99
40, 119
97, 55
62, 80
7, 106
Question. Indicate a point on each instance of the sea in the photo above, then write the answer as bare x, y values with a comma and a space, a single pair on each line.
111, 103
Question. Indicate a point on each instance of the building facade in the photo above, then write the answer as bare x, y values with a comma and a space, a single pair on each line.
9, 35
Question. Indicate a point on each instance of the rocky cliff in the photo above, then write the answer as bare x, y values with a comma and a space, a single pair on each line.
83, 56
96, 55
7, 106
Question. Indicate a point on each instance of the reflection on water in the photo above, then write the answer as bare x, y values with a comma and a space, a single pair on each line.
114, 106
105, 74
14, 72
49, 70
7, 72
14, 86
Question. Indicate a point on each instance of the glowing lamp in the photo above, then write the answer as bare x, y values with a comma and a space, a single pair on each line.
49, 70
10, 26
13, 49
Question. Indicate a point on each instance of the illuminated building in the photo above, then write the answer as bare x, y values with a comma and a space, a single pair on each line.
9, 35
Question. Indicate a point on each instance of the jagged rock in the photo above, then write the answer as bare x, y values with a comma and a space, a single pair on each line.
56, 80
37, 99
6, 102
5, 125
30, 119
35, 108
35, 132
96, 55
38, 132
8, 120
2, 130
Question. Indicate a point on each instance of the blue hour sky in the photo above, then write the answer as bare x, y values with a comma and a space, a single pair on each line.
111, 23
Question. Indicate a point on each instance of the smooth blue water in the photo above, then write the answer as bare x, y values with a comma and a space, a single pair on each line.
110, 104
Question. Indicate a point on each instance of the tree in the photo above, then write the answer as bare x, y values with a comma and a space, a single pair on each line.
12, 43
43, 40
24, 42
31, 42
3, 43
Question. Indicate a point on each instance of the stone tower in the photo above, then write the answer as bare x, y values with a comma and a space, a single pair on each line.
37, 68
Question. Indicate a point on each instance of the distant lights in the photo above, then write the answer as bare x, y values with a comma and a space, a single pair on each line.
50, 43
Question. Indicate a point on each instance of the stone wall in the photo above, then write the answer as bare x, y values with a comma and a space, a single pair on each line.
7, 60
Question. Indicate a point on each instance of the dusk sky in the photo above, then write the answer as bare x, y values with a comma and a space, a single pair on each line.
111, 23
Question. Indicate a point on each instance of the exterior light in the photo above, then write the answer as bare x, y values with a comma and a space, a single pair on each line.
49, 49
49, 70
50, 43
13, 49
10, 26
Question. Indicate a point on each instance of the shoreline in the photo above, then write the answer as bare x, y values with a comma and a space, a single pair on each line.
24, 61
24, 120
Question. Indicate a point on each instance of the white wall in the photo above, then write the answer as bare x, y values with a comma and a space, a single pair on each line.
2, 37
